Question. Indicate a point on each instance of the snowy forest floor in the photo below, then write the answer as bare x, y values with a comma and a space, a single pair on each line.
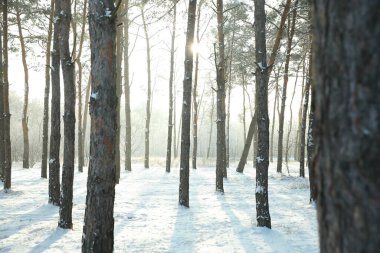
148, 218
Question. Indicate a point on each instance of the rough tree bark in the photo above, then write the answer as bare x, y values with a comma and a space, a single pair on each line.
127, 103
67, 65
45, 124
221, 170
272, 59
284, 88
149, 90
6, 115
98, 230
85, 115
262, 75
80, 78
171, 79
347, 120
186, 107
24, 119
1, 110
55, 132
311, 147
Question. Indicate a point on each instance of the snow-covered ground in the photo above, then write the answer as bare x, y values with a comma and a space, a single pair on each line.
148, 218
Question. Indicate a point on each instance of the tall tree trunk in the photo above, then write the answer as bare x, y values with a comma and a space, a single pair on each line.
6, 115
221, 170
186, 107
119, 59
45, 124
304, 117
243, 113
85, 114
284, 89
292, 24
228, 126
171, 80
262, 161
80, 104
195, 93
98, 230
149, 90
1, 109
67, 64
347, 113
55, 132
274, 115
287, 147
175, 121
311, 148
211, 126
272, 59
24, 120
128, 128
297, 149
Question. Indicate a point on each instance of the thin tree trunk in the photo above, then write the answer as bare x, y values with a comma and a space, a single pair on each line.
85, 115
175, 121
287, 147
45, 126
262, 76
304, 117
149, 91
247, 145
80, 104
119, 59
221, 170
195, 94
244, 122
228, 126
24, 120
6, 115
80, 74
347, 121
128, 128
55, 132
297, 149
274, 117
284, 89
273, 55
98, 230
171, 80
1, 109
67, 64
211, 126
186, 107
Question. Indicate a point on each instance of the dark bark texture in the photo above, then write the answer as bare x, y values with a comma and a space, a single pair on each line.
186, 107
7, 116
262, 159
98, 230
55, 132
221, 170
347, 118
311, 147
67, 65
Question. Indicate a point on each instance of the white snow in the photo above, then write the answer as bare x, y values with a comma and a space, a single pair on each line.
94, 95
148, 218
108, 13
